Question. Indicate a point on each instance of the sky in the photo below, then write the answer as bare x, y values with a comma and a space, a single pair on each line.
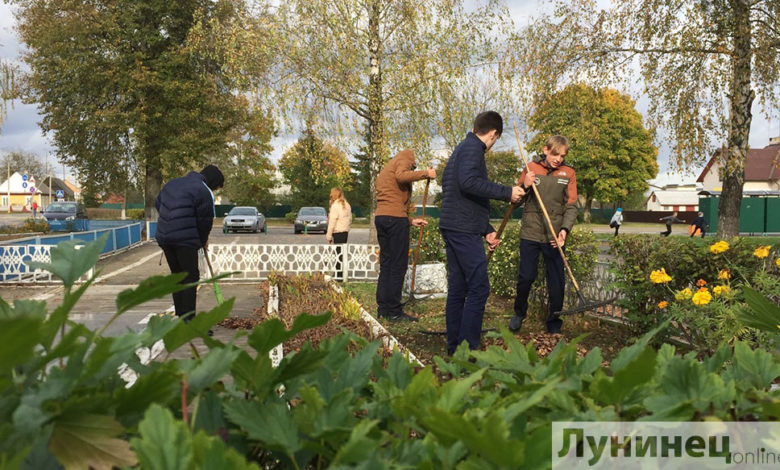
20, 130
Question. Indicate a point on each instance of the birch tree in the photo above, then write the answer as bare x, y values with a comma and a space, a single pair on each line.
702, 63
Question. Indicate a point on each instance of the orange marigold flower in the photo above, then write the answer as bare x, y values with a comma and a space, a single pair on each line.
663, 304
701, 283
724, 274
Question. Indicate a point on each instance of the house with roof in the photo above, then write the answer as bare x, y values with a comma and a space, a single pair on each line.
674, 197
762, 172
17, 193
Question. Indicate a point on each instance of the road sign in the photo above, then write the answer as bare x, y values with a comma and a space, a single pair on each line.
24, 177
32, 189
24, 184
60, 194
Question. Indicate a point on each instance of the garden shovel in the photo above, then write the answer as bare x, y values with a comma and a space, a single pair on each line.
416, 256
217, 292
584, 304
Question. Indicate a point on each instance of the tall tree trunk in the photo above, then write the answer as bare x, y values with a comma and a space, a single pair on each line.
376, 139
586, 211
152, 185
741, 96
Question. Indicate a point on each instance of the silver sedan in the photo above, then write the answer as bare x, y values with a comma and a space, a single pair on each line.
244, 218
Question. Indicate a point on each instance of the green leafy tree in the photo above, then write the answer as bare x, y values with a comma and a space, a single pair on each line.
702, 64
610, 148
311, 167
376, 64
359, 194
121, 91
24, 163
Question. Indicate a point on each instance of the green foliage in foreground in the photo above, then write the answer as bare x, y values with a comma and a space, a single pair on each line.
63, 403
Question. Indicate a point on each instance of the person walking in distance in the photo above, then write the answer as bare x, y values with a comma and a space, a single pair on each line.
556, 185
186, 207
669, 220
339, 223
34, 207
393, 203
617, 220
698, 226
465, 227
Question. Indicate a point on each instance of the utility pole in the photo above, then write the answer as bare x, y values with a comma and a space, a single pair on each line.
8, 186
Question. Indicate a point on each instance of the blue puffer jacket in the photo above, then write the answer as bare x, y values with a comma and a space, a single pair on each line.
466, 190
186, 209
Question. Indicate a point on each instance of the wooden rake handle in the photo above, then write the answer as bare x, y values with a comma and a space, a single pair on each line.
419, 239
547, 216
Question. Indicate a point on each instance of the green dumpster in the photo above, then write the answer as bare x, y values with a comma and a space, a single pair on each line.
752, 215
772, 215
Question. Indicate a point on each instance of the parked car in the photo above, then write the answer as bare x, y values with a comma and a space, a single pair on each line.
311, 219
244, 218
66, 216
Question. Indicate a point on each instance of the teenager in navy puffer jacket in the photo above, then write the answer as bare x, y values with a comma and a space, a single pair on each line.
186, 207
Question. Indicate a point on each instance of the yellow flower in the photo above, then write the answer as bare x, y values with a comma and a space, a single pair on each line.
684, 294
702, 297
762, 251
701, 283
660, 276
724, 274
719, 247
721, 290
777, 262
663, 304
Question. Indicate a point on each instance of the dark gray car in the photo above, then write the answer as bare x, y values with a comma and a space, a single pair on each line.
67, 216
311, 219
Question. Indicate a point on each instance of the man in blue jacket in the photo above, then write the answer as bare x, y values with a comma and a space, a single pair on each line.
464, 222
186, 207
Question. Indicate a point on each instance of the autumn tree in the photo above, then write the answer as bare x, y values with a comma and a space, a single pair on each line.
702, 63
610, 149
312, 167
23, 162
121, 91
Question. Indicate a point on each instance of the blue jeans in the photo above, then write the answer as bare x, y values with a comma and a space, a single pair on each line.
468, 288
556, 282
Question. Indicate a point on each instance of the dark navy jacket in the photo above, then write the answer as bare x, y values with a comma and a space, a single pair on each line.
186, 210
466, 190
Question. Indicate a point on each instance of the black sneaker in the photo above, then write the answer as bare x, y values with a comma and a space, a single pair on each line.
515, 323
211, 332
402, 317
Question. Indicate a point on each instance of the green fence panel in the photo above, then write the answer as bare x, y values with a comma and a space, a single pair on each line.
752, 215
709, 206
772, 215
278, 211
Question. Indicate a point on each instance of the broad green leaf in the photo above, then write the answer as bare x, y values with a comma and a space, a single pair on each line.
69, 263
271, 333
161, 386
60, 314
209, 413
151, 288
752, 368
637, 372
453, 392
763, 314
627, 355
210, 452
19, 336
90, 441
164, 443
198, 327
528, 401
22, 308
685, 380
271, 424
360, 446
210, 368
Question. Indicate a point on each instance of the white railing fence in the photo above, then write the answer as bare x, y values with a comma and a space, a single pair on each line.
254, 262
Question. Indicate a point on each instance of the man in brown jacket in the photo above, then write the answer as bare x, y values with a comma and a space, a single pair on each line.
393, 201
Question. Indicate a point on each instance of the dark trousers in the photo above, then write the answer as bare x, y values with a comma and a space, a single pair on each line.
468, 288
556, 282
668, 231
393, 236
183, 259
340, 238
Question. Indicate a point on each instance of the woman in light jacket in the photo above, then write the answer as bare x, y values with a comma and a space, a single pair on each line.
339, 217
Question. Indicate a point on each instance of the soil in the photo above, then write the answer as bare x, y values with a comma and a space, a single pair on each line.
425, 340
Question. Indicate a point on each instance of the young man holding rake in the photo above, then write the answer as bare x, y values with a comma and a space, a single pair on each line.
464, 223
556, 184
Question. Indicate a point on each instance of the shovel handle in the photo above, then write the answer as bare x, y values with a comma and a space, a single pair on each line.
547, 216
501, 227
419, 240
